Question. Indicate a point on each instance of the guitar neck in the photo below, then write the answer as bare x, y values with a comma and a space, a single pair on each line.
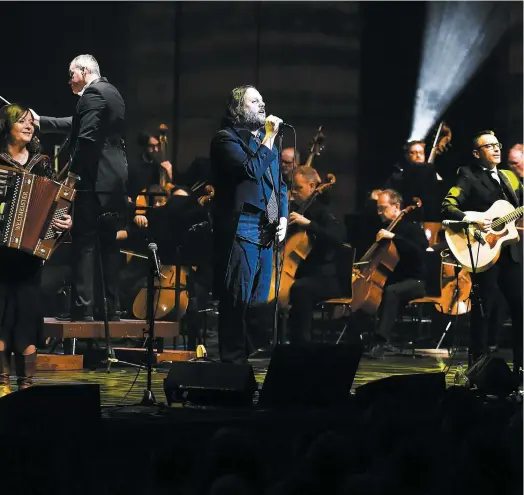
510, 217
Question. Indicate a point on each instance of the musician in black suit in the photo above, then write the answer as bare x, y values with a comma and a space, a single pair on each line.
408, 280
476, 188
317, 277
249, 210
99, 165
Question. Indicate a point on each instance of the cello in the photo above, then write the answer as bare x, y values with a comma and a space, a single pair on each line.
371, 272
166, 286
297, 248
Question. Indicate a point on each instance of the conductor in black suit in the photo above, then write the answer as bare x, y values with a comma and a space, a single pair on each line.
98, 164
476, 188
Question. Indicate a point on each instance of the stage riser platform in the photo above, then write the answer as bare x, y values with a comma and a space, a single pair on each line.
117, 329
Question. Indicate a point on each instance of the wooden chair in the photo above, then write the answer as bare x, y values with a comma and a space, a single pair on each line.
345, 264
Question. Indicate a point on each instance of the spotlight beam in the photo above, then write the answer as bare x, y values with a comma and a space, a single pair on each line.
458, 37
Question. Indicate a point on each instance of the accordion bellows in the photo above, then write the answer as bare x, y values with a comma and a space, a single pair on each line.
28, 204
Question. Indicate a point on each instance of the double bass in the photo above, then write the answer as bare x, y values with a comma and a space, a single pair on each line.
371, 272
167, 285
455, 287
142, 200
440, 145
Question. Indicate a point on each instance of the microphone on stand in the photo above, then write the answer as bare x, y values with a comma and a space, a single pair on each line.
282, 125
456, 223
153, 248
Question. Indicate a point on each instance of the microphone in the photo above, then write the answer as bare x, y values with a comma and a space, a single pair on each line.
283, 124
456, 223
153, 248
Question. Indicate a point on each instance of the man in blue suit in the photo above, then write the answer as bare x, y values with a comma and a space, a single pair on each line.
250, 211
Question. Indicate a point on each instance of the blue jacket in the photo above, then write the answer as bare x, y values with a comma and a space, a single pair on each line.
239, 167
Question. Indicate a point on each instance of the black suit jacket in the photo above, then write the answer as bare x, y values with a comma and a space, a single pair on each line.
474, 190
96, 142
326, 235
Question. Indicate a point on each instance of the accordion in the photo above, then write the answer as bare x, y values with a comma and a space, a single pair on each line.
28, 204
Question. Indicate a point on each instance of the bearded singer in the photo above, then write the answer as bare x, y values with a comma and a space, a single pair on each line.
250, 211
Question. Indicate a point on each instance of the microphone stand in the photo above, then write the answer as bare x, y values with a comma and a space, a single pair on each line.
148, 398
474, 284
276, 247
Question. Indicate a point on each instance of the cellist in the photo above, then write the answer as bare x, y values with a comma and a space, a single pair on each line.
407, 281
316, 278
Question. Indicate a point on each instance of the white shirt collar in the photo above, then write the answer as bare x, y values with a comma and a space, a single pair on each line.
80, 93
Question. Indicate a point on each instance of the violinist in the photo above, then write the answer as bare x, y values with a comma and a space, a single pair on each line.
407, 281
316, 277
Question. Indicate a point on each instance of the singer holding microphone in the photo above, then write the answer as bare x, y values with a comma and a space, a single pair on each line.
250, 211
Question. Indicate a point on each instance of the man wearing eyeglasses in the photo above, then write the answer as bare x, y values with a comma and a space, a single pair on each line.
408, 280
98, 164
476, 188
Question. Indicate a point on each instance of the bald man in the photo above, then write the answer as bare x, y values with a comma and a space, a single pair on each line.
515, 160
289, 163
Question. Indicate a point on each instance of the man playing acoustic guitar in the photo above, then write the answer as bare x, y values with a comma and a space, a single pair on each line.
476, 188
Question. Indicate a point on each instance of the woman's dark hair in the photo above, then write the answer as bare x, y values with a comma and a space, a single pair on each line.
234, 106
9, 115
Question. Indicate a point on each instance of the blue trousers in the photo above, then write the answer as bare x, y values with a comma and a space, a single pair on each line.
246, 287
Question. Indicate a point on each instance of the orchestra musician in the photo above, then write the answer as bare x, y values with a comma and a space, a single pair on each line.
146, 171
290, 162
515, 162
249, 210
317, 275
99, 163
416, 177
408, 279
21, 315
476, 188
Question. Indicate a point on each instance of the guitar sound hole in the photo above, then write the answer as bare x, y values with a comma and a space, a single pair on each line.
498, 228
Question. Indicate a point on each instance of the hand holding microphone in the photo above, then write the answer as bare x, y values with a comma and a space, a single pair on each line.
272, 124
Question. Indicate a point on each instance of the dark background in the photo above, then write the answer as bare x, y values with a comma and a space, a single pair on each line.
349, 66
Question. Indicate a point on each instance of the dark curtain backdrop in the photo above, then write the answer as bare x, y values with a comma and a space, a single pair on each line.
349, 66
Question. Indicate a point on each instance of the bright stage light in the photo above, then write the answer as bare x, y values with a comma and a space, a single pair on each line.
458, 38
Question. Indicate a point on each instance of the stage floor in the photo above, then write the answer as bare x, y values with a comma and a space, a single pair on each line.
124, 385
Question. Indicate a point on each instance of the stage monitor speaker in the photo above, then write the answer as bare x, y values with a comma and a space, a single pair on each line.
210, 383
318, 375
492, 375
420, 387
40, 407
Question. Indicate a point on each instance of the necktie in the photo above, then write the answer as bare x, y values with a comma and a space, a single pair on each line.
272, 205
495, 175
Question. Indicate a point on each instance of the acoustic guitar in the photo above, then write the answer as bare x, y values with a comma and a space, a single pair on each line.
485, 246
